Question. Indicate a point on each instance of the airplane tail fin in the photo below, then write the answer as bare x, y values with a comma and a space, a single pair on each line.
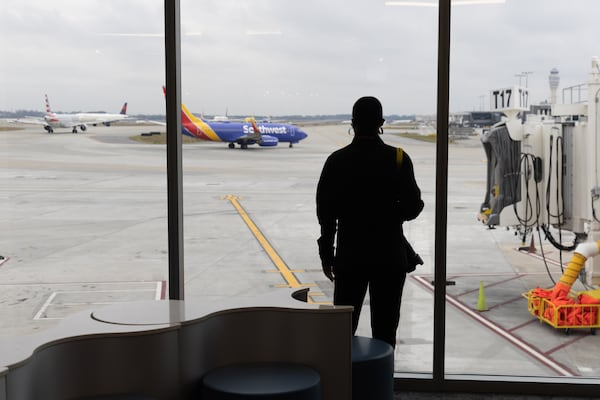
48, 110
185, 113
124, 109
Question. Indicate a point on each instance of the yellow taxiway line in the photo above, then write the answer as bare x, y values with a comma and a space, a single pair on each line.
281, 266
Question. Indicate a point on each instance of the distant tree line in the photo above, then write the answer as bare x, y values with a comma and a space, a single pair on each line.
161, 117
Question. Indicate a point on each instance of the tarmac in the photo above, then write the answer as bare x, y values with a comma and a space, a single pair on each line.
84, 221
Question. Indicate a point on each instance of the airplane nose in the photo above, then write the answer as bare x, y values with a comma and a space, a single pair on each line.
300, 134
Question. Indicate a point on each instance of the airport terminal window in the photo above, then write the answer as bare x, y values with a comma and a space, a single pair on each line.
490, 270
479, 277
87, 212
83, 197
281, 63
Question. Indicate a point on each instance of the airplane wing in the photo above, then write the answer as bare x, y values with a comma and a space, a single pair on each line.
103, 118
150, 121
110, 118
91, 118
31, 120
255, 135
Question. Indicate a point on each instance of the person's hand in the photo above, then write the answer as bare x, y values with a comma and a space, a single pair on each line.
328, 271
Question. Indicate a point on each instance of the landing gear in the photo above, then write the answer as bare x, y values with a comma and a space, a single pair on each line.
291, 145
74, 129
244, 145
231, 145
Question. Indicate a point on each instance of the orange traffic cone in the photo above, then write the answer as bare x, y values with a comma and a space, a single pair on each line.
481, 300
532, 246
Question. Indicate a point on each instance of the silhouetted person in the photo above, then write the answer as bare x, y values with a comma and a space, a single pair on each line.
364, 195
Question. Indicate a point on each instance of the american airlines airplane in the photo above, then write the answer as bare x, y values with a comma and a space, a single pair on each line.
52, 120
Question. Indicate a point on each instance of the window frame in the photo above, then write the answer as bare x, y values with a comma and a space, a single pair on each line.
438, 380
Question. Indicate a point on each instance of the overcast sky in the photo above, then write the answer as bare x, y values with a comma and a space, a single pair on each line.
276, 57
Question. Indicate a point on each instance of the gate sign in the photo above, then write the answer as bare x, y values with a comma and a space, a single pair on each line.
514, 98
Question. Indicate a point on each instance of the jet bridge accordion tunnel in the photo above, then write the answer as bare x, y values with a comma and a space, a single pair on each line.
531, 182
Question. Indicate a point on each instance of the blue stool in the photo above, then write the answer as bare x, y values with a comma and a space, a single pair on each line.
372, 369
271, 381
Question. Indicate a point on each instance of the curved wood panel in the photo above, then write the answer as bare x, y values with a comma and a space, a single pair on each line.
3, 373
144, 363
320, 339
161, 349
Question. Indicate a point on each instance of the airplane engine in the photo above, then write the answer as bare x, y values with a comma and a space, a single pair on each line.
83, 127
268, 141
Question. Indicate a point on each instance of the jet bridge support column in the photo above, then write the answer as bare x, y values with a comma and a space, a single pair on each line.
592, 267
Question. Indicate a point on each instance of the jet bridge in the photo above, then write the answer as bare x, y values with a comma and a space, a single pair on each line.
543, 168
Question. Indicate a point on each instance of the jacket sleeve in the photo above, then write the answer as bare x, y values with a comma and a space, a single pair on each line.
326, 214
410, 200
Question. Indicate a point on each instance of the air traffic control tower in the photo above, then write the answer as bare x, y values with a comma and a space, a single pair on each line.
553, 80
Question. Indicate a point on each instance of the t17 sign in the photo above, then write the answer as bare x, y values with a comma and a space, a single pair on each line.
515, 98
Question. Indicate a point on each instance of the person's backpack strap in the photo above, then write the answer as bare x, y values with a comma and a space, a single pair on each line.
399, 157
412, 258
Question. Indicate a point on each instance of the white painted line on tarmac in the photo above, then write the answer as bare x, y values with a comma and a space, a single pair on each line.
78, 283
546, 259
158, 291
104, 291
45, 306
40, 315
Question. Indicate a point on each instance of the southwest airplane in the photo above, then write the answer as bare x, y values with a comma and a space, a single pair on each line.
242, 133
52, 120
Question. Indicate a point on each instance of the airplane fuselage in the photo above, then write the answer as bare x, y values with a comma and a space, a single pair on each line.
232, 131
71, 120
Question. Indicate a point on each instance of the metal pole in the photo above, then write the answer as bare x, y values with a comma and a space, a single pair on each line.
526, 75
174, 168
441, 192
520, 79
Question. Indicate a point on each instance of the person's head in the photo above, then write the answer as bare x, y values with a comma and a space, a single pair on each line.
367, 116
